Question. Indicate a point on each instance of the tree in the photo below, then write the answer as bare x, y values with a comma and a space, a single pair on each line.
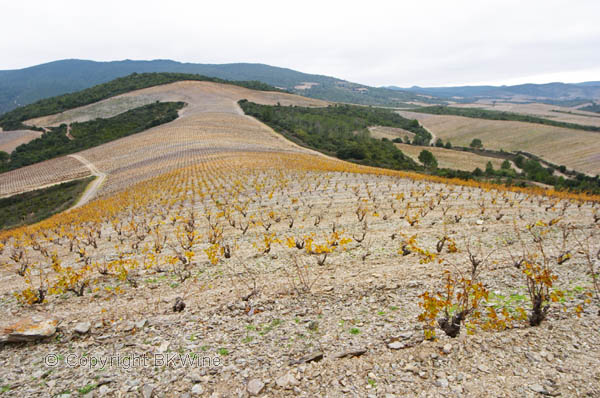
489, 168
439, 143
505, 165
448, 145
4, 161
520, 161
476, 143
352, 151
428, 160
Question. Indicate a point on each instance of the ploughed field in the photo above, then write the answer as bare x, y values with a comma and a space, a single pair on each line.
301, 276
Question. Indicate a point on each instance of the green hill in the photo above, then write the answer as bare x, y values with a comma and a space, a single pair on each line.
25, 86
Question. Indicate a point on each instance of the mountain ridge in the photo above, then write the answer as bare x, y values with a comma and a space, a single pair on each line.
20, 87
529, 91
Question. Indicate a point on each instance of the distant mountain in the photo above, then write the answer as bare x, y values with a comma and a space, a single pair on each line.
24, 86
521, 92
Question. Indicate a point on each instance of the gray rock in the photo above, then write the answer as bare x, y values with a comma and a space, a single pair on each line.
443, 383
147, 390
140, 324
255, 386
314, 357
287, 381
128, 327
197, 389
195, 377
351, 353
538, 388
395, 345
447, 348
83, 327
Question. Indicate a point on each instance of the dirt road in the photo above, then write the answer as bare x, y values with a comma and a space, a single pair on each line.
92, 189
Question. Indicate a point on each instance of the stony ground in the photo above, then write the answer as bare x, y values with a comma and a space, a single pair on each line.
354, 334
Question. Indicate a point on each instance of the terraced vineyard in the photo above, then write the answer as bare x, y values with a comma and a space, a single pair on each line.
295, 274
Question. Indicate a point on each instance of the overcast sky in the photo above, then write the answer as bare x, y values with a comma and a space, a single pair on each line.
395, 42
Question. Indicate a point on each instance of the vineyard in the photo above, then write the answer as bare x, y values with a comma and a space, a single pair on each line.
400, 282
211, 123
575, 149
41, 175
215, 237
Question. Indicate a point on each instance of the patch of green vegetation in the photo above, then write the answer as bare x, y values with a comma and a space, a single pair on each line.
86, 389
31, 207
478, 113
341, 131
274, 323
14, 119
354, 331
89, 134
591, 108
223, 351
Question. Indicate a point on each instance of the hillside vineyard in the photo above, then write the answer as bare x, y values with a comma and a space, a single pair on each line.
213, 236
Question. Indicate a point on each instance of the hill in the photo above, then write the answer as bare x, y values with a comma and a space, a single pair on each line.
24, 86
549, 92
220, 259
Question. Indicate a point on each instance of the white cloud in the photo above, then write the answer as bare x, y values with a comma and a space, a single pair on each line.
373, 42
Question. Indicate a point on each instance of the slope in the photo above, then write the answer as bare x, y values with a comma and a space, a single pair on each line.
210, 126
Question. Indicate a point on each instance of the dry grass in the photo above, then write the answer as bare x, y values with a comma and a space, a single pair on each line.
390, 132
448, 158
575, 149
